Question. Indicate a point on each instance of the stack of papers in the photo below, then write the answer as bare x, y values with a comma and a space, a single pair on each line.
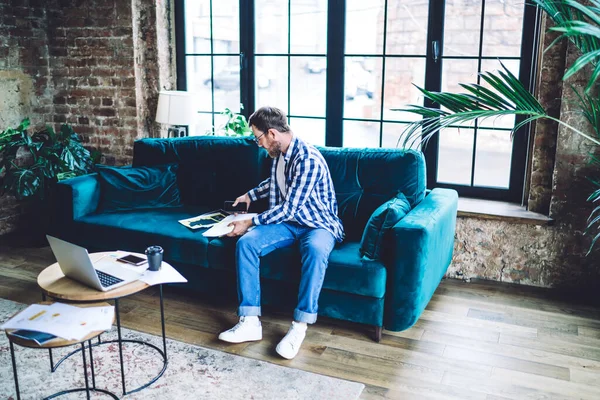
62, 320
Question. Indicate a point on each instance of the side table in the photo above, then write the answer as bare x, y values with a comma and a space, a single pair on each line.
56, 343
56, 285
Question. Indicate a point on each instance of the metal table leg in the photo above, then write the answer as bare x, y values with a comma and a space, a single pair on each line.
14, 365
120, 345
92, 364
162, 322
87, 385
120, 342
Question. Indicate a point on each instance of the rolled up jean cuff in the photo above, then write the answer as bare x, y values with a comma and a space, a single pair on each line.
301, 316
247, 311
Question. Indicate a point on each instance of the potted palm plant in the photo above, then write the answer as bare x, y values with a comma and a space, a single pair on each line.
505, 94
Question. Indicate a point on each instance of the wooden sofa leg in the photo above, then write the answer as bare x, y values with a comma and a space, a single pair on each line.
377, 336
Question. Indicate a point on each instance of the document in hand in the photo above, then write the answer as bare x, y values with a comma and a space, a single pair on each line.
223, 228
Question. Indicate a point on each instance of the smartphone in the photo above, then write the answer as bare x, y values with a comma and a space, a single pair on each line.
133, 260
239, 207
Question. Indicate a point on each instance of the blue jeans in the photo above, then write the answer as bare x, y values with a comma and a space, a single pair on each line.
315, 246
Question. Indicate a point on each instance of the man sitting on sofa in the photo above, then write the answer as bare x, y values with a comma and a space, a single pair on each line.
303, 210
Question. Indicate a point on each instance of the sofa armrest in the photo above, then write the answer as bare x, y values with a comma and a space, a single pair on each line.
417, 253
77, 197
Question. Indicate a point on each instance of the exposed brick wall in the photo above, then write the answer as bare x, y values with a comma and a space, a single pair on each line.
550, 87
92, 62
77, 62
25, 78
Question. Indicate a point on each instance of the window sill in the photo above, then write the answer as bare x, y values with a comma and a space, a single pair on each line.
499, 210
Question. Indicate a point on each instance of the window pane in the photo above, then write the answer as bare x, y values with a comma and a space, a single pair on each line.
455, 156
360, 85
198, 81
394, 131
361, 134
271, 27
308, 90
455, 72
272, 82
226, 26
492, 158
197, 26
461, 28
400, 75
202, 125
407, 27
503, 27
458, 71
220, 121
364, 27
227, 83
311, 130
309, 26
507, 121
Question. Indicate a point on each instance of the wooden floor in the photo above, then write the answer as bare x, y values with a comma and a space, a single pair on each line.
479, 340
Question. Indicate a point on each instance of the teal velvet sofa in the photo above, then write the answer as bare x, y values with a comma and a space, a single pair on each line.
390, 291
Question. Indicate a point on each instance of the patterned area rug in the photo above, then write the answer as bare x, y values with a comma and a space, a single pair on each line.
193, 372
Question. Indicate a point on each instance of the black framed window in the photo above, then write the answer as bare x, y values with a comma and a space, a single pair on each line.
338, 67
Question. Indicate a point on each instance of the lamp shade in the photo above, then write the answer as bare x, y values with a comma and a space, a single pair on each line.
175, 108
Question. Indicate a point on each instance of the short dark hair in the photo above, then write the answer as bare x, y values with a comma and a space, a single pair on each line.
266, 118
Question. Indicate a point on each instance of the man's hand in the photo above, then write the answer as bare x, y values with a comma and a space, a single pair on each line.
239, 227
243, 199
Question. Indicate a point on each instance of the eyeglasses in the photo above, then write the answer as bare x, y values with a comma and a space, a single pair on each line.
257, 138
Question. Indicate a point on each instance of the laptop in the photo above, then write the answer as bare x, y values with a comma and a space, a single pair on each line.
104, 275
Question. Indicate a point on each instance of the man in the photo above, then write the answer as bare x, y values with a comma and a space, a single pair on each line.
303, 210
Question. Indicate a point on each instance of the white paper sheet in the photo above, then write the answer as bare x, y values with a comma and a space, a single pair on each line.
222, 228
166, 274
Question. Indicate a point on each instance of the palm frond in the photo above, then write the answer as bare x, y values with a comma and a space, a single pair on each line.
507, 97
580, 23
590, 109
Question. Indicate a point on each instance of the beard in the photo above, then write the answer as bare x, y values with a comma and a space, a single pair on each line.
275, 150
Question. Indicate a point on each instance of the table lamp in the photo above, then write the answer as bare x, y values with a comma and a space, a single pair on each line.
175, 108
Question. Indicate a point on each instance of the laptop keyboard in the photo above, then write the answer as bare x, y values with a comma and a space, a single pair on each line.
107, 280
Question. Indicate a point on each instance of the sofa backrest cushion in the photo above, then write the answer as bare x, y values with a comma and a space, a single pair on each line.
383, 218
364, 179
212, 169
127, 188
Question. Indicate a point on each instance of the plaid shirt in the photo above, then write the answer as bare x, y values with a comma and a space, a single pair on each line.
310, 197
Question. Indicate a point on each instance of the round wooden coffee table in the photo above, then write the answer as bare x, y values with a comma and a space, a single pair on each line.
54, 344
56, 285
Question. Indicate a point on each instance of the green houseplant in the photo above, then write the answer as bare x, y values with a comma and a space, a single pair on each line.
30, 163
504, 93
236, 124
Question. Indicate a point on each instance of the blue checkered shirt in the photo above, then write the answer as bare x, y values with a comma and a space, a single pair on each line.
310, 196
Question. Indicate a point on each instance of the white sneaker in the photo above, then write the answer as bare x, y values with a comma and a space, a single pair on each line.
290, 344
248, 329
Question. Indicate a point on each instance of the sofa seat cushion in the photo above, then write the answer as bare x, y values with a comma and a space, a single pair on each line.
134, 230
347, 271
